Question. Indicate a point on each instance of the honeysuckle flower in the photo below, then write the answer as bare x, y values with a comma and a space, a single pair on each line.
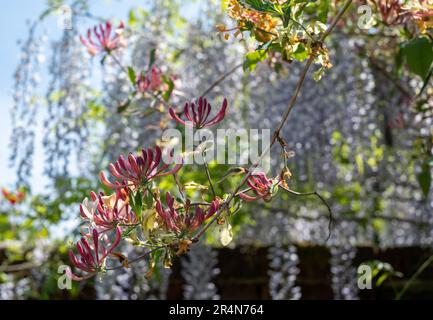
13, 198
92, 256
391, 11
137, 170
422, 12
107, 212
152, 81
105, 40
197, 114
179, 219
261, 186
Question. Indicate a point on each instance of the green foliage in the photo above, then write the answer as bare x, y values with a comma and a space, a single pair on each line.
136, 202
323, 10
167, 94
252, 58
264, 6
132, 76
425, 178
382, 271
418, 54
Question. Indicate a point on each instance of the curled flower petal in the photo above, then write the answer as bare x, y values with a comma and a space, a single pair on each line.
260, 185
138, 170
197, 114
106, 40
90, 259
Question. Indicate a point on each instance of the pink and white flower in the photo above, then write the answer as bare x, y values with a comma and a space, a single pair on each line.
197, 114
261, 186
91, 256
107, 212
138, 170
179, 219
101, 38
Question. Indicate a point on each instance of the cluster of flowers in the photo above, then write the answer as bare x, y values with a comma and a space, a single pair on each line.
421, 11
151, 81
105, 214
134, 210
265, 23
396, 12
102, 40
281, 30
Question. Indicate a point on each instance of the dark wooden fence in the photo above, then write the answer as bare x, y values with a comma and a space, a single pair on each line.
244, 273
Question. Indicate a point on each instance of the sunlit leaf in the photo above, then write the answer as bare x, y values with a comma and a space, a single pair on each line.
226, 235
252, 58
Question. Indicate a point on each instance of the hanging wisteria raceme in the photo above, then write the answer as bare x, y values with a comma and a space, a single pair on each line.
283, 272
11, 290
344, 280
25, 105
66, 126
129, 283
199, 269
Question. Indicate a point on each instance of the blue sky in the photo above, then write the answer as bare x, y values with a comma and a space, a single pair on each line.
12, 27
13, 17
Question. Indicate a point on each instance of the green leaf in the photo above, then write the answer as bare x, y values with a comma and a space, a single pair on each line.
153, 262
148, 199
252, 58
152, 58
300, 52
399, 59
318, 74
322, 10
263, 6
137, 203
287, 12
132, 19
156, 256
128, 231
424, 178
124, 105
167, 94
426, 81
381, 279
419, 56
132, 76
